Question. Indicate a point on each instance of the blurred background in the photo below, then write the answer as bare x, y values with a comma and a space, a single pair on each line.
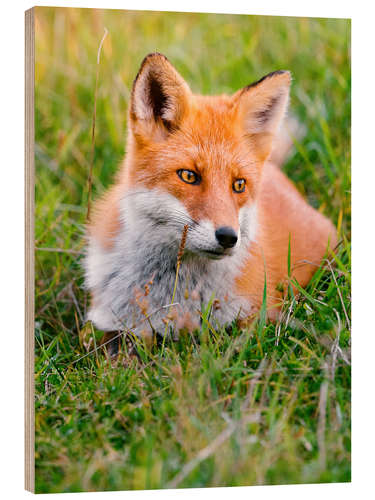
83, 425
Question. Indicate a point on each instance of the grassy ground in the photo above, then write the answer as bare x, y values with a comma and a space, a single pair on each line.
268, 405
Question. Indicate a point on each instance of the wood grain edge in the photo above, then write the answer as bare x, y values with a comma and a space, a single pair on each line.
29, 250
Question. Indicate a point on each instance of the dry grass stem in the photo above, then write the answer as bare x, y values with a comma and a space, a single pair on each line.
210, 449
59, 250
339, 292
179, 258
323, 396
89, 180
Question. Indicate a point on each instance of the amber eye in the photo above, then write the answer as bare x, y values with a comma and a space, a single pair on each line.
239, 185
188, 176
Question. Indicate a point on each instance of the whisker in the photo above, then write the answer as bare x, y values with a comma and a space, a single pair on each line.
186, 216
175, 211
175, 218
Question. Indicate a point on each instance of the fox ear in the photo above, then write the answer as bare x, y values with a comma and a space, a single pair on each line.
262, 106
159, 98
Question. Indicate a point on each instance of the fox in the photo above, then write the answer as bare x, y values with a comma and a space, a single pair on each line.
205, 169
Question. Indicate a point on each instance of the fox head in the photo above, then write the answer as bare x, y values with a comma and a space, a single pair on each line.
197, 160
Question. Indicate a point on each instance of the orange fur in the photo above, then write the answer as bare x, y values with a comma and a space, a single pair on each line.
283, 212
105, 221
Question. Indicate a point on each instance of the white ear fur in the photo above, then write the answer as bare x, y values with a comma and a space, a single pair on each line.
263, 104
159, 93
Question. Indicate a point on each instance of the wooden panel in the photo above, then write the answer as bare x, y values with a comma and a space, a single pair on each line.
29, 249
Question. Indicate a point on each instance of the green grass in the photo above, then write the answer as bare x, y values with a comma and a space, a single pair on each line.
267, 405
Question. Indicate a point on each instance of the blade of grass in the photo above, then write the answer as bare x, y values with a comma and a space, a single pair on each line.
89, 180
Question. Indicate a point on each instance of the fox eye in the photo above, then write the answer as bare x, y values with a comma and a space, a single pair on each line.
188, 176
239, 185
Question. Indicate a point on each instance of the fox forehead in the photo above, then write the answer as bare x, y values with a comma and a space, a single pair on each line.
208, 140
212, 120
206, 153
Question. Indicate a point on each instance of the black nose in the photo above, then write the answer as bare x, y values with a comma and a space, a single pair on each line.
226, 236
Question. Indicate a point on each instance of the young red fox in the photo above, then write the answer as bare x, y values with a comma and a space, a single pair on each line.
206, 163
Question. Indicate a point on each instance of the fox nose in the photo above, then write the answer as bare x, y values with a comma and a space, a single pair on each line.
226, 236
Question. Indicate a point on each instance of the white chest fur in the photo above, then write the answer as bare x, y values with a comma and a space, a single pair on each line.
146, 250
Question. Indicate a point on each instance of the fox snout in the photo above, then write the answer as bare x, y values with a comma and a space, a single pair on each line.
214, 242
226, 236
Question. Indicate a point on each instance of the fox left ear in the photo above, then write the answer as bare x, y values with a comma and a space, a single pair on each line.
159, 99
261, 107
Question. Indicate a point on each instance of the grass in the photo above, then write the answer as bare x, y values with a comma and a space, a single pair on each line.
266, 405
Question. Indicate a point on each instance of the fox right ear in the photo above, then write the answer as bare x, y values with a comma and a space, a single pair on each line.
159, 98
262, 106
